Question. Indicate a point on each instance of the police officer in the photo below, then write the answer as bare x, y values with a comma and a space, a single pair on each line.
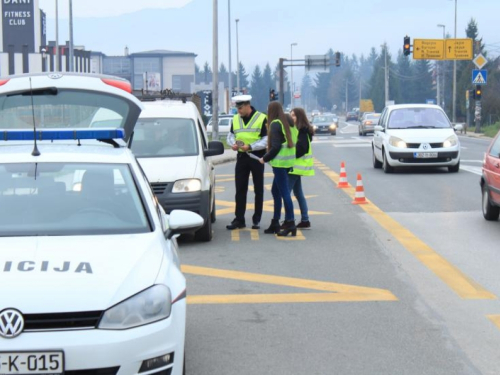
248, 135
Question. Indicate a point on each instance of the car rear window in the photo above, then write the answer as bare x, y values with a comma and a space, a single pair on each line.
59, 199
416, 118
165, 137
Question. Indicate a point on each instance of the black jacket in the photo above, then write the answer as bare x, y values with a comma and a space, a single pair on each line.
302, 147
277, 139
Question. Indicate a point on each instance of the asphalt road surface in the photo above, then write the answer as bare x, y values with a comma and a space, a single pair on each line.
406, 284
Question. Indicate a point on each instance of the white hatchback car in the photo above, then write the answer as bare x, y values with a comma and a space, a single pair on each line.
415, 135
90, 275
171, 144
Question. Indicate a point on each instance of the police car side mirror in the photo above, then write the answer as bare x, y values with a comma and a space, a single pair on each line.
378, 128
214, 148
181, 222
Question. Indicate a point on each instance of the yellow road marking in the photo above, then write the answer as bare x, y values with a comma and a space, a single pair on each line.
336, 292
235, 234
268, 207
298, 237
464, 286
495, 319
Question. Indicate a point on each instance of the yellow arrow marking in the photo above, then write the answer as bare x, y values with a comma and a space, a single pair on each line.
268, 207
495, 319
465, 287
332, 292
235, 234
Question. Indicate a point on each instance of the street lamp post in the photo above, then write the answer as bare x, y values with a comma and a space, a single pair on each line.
71, 42
230, 82
215, 74
443, 73
58, 67
291, 74
237, 60
455, 74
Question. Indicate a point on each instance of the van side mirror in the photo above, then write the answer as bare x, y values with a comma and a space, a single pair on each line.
378, 128
214, 148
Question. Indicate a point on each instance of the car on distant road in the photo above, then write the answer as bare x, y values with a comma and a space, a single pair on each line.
352, 116
325, 124
368, 122
490, 181
315, 112
415, 135
225, 122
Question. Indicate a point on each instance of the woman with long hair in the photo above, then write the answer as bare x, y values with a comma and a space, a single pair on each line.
304, 163
281, 155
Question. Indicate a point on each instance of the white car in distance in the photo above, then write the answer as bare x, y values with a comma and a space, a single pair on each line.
415, 135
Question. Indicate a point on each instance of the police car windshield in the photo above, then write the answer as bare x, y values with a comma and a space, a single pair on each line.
165, 137
58, 199
62, 108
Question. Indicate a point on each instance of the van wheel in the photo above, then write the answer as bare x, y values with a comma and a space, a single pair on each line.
213, 214
205, 233
490, 212
454, 168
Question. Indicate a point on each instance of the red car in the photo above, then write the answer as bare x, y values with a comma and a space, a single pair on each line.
490, 181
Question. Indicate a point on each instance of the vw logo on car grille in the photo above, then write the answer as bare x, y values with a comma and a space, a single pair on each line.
11, 323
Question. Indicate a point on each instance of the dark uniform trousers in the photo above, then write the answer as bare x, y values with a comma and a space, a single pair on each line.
244, 166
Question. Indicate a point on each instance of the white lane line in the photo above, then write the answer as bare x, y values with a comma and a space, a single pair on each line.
475, 170
352, 145
464, 148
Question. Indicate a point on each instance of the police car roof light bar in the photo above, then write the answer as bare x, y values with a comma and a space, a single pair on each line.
61, 135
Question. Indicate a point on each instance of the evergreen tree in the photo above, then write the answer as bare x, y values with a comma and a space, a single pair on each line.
197, 74
267, 78
406, 79
307, 92
243, 77
207, 73
223, 75
258, 91
321, 90
422, 86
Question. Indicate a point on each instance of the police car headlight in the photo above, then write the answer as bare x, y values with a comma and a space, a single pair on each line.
187, 186
333, 127
152, 305
450, 141
315, 127
397, 142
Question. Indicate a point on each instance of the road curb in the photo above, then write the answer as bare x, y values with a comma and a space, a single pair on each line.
224, 160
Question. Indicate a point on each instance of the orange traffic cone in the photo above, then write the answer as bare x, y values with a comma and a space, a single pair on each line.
359, 197
343, 177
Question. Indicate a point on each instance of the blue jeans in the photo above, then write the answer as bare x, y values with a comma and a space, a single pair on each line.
295, 184
281, 191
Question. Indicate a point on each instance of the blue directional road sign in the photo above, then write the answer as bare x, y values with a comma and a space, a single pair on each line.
479, 77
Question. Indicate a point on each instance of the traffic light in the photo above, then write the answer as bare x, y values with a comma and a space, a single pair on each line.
272, 95
337, 58
478, 92
406, 46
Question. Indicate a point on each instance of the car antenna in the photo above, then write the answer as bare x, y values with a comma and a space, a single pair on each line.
35, 152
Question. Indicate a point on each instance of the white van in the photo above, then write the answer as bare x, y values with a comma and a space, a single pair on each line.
172, 147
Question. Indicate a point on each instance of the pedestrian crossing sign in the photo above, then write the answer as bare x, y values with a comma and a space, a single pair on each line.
479, 77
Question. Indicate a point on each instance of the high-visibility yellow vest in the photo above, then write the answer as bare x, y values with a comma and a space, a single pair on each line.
249, 133
286, 156
304, 166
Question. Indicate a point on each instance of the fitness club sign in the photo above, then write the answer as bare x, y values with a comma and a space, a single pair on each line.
18, 24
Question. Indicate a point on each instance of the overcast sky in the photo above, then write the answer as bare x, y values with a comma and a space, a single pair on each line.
268, 27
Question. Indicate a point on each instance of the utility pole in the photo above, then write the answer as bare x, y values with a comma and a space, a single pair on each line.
58, 66
291, 74
215, 75
282, 81
454, 114
71, 41
230, 68
386, 76
442, 71
237, 59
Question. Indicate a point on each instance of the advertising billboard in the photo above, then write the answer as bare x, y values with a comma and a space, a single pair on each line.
18, 29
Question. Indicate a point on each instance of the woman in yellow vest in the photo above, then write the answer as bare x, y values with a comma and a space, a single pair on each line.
281, 155
304, 163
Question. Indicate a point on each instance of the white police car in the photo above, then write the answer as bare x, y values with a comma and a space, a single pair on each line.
90, 276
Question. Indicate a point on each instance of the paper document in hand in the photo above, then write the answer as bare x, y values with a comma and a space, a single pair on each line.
253, 156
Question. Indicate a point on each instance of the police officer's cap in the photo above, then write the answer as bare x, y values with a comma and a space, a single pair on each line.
240, 100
